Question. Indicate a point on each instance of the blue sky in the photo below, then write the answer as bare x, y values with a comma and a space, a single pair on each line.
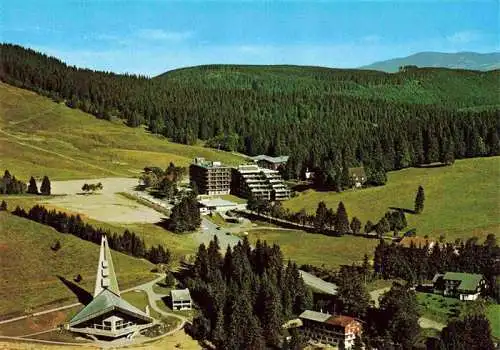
149, 37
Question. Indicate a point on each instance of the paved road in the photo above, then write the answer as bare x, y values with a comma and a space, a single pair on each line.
209, 230
318, 284
145, 285
424, 322
154, 297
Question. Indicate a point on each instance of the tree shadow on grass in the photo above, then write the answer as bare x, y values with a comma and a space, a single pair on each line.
83, 296
405, 210
167, 300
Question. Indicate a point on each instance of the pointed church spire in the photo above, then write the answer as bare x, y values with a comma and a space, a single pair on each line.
106, 278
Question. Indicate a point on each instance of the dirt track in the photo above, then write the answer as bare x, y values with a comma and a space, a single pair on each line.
105, 205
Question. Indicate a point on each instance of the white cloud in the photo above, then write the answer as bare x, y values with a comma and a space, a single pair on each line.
163, 35
464, 37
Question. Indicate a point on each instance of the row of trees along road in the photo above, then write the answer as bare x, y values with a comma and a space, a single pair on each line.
10, 185
329, 221
327, 120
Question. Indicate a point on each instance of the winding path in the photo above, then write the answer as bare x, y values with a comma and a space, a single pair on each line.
147, 287
423, 322
154, 297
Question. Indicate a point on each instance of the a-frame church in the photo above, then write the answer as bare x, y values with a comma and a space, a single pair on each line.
108, 315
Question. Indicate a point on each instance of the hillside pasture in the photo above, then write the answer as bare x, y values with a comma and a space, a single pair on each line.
316, 249
40, 137
460, 200
34, 276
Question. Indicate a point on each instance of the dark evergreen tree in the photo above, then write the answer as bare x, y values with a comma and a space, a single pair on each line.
352, 294
369, 226
419, 200
45, 187
32, 187
474, 333
3, 206
169, 279
355, 225
341, 219
399, 309
320, 220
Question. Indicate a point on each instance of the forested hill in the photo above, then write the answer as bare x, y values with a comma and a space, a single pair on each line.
326, 119
462, 60
445, 87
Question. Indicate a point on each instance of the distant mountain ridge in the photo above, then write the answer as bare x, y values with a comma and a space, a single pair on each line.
460, 60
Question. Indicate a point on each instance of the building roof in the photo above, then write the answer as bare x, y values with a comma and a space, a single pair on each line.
180, 295
208, 164
314, 316
334, 320
318, 284
275, 160
468, 281
106, 277
106, 301
340, 320
417, 241
216, 202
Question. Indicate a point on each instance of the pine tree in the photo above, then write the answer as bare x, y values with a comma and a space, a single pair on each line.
399, 309
473, 332
352, 293
321, 216
382, 227
3, 206
341, 219
368, 227
32, 188
169, 279
45, 187
419, 200
355, 225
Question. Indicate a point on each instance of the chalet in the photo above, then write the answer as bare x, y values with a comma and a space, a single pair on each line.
330, 329
357, 176
465, 286
108, 316
181, 299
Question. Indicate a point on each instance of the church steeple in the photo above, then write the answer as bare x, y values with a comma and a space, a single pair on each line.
106, 277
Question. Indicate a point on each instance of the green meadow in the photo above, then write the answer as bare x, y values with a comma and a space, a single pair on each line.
40, 137
461, 200
31, 271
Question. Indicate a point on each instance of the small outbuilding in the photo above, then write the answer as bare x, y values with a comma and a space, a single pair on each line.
181, 299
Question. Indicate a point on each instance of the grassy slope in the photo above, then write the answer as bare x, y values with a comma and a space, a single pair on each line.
461, 200
316, 249
39, 137
493, 314
29, 268
179, 244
